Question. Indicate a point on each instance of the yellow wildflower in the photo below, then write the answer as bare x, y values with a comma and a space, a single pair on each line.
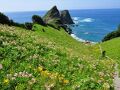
65, 81
55, 75
45, 73
40, 69
6, 81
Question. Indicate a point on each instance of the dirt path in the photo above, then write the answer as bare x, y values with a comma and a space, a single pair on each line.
116, 79
116, 76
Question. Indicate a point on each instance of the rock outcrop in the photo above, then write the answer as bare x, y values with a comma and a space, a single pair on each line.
66, 18
58, 19
54, 16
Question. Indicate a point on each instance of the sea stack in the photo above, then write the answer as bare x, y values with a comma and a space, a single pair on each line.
66, 18
52, 16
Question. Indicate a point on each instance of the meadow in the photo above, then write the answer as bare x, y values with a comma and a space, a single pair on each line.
53, 60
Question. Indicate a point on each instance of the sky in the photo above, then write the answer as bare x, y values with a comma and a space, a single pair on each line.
37, 5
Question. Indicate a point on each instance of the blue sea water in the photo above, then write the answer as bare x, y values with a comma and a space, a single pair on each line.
91, 25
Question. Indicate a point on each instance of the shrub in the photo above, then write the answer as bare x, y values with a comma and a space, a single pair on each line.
4, 19
54, 26
19, 25
28, 25
112, 35
12, 23
37, 19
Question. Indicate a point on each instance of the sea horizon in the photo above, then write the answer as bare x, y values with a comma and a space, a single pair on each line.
61, 10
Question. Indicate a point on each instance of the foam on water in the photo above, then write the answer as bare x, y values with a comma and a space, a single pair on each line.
75, 37
87, 20
75, 20
86, 33
81, 40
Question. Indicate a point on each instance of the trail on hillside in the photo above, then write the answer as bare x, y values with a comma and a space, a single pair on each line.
116, 80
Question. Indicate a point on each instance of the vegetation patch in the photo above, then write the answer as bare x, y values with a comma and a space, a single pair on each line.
112, 35
50, 60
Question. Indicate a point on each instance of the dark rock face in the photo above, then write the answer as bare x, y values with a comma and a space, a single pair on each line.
58, 19
66, 18
54, 13
52, 16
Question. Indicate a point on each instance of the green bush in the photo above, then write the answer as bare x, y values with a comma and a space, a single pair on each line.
19, 25
4, 19
37, 19
112, 35
54, 26
12, 23
28, 25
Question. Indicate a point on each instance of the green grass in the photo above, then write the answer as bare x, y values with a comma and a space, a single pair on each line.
112, 49
37, 60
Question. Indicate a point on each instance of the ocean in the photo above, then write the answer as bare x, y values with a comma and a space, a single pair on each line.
91, 25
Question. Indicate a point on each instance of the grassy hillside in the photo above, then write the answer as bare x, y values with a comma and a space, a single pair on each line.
37, 60
112, 49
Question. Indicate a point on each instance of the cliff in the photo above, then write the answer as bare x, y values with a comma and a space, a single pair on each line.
66, 18
54, 16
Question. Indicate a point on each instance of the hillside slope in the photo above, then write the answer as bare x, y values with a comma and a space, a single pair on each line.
37, 60
112, 48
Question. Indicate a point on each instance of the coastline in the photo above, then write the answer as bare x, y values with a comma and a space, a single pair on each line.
81, 40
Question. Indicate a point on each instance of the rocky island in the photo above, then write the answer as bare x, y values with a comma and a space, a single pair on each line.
55, 16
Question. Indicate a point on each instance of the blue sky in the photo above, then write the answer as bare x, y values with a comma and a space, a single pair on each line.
35, 5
